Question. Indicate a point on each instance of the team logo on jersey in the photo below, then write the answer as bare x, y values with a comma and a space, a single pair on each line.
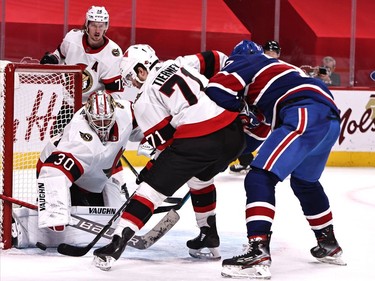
116, 52
86, 136
87, 81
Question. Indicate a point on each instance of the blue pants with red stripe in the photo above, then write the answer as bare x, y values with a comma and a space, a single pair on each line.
298, 147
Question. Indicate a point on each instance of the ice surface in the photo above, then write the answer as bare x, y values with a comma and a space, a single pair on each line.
352, 196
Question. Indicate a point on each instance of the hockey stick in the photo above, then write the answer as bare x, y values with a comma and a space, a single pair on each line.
77, 251
130, 165
164, 226
140, 242
18, 202
177, 206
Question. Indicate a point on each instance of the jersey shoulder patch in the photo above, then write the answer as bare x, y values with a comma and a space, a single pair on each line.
116, 52
86, 136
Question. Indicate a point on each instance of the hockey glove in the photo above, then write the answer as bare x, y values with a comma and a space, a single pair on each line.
146, 149
371, 105
248, 118
144, 171
49, 58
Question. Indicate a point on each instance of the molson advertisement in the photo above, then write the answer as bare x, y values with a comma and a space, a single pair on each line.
356, 143
35, 113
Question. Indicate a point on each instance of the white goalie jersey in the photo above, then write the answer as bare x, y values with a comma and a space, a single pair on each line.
77, 156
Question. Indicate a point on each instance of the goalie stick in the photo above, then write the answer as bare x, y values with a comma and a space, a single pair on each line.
140, 242
78, 251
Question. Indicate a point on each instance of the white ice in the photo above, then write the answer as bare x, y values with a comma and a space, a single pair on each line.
352, 196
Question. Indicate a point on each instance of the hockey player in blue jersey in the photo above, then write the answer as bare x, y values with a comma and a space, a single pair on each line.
303, 123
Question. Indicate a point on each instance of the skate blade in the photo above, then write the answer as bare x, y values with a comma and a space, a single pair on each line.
332, 260
205, 253
254, 272
243, 172
102, 264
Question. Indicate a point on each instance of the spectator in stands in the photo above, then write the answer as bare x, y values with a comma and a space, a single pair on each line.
272, 49
327, 73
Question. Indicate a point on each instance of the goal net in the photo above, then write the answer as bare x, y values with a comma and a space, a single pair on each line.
36, 102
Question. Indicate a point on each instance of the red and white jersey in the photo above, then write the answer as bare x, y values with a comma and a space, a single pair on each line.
172, 104
101, 67
208, 63
79, 155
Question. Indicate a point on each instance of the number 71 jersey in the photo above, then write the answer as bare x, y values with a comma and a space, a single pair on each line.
172, 104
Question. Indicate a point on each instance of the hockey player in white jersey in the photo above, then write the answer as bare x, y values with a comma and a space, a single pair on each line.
194, 140
99, 57
77, 167
90, 48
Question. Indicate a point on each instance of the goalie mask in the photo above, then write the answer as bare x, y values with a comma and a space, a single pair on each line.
97, 14
100, 112
134, 56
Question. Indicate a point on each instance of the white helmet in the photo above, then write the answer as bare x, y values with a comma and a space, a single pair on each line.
100, 112
98, 14
137, 54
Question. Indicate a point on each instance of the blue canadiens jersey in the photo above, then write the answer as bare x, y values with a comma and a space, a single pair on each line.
266, 82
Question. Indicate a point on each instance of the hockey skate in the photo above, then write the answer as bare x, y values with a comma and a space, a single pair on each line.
239, 169
206, 244
254, 263
328, 249
106, 256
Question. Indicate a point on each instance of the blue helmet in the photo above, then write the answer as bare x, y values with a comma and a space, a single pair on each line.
247, 47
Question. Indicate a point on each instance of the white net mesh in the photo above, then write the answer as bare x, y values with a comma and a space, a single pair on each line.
43, 104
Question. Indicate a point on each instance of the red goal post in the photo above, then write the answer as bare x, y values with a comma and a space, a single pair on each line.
31, 98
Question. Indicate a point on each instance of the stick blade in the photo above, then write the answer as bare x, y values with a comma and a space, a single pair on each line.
71, 250
158, 231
